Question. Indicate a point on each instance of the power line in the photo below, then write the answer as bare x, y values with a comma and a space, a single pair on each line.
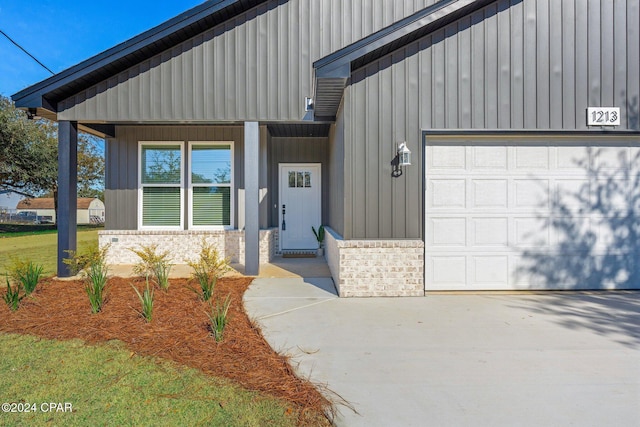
25, 51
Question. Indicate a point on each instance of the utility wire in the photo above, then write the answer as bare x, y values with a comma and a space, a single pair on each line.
25, 51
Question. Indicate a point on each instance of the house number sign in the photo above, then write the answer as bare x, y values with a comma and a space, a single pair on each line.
603, 116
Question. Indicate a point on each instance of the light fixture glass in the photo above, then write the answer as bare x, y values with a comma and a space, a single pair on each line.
404, 155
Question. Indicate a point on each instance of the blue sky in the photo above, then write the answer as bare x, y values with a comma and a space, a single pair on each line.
63, 33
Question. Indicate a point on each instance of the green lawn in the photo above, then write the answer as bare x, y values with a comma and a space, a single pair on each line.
109, 385
41, 247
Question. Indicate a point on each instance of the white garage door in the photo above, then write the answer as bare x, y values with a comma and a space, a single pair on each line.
532, 214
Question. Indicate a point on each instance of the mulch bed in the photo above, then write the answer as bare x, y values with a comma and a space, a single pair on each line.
179, 331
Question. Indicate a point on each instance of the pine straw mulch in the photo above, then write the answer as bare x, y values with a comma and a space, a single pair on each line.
179, 331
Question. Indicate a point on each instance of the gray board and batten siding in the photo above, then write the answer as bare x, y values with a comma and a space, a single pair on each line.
530, 66
256, 66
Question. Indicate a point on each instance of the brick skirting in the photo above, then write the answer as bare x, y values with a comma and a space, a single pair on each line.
367, 268
184, 245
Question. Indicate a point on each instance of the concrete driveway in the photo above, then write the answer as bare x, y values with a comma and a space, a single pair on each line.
461, 360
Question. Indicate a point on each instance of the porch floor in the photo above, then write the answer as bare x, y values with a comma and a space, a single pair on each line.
279, 267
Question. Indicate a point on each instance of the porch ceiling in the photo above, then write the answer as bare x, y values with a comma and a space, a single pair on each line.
299, 130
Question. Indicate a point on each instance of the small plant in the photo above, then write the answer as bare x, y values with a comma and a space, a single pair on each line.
92, 265
218, 318
209, 267
79, 261
95, 284
12, 297
153, 263
146, 299
27, 274
319, 235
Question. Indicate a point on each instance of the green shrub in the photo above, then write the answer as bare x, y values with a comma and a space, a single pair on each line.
26, 273
153, 264
12, 297
146, 300
209, 267
79, 261
218, 318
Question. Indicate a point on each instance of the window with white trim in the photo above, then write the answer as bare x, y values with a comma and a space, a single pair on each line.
210, 184
161, 185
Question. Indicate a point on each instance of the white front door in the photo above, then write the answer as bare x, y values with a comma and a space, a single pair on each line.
300, 205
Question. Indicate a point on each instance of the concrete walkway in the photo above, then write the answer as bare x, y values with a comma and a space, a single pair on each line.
461, 360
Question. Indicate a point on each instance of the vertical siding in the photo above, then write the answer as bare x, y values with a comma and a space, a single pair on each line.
296, 150
121, 185
121, 175
524, 65
257, 66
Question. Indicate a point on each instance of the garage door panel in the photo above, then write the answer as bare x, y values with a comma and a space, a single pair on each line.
531, 194
572, 233
611, 158
447, 194
634, 158
489, 193
625, 267
531, 232
614, 233
571, 194
492, 270
489, 157
493, 232
447, 272
447, 231
531, 158
543, 215
574, 159
611, 193
447, 158
541, 272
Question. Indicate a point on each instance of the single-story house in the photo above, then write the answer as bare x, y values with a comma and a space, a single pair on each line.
444, 144
89, 210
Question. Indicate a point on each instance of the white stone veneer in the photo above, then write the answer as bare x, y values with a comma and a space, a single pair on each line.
183, 245
366, 268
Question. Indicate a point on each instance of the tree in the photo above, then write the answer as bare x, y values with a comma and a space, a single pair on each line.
90, 167
29, 153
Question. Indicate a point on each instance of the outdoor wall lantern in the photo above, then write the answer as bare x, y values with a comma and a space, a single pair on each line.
404, 155
402, 158
308, 103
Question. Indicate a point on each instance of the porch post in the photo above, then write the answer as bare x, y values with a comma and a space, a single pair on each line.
66, 217
252, 198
